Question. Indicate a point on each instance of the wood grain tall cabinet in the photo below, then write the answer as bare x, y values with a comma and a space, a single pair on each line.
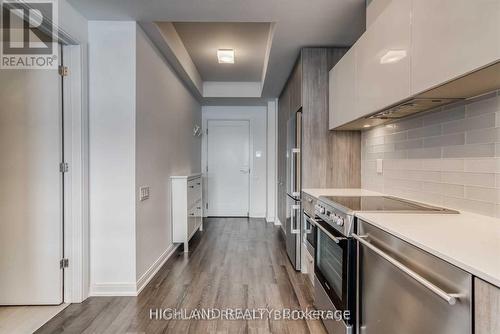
330, 159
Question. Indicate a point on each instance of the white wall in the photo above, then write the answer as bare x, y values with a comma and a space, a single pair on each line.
165, 146
112, 111
141, 121
257, 115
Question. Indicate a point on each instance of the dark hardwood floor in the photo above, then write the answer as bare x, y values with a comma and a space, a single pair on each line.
233, 263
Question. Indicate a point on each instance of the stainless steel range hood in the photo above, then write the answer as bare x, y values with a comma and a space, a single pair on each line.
411, 107
474, 84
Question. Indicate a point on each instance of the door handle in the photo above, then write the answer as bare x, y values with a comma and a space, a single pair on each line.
449, 298
245, 170
293, 227
295, 152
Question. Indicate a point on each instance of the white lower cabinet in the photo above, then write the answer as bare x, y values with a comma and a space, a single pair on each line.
309, 264
187, 208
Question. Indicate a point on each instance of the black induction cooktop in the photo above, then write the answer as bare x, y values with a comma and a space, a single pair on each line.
379, 203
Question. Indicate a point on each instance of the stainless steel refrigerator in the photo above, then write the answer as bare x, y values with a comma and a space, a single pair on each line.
293, 189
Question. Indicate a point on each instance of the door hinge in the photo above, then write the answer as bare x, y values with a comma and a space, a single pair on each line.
64, 167
64, 263
207, 132
207, 169
206, 206
63, 71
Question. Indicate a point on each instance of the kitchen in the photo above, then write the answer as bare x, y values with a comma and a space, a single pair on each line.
254, 163
382, 183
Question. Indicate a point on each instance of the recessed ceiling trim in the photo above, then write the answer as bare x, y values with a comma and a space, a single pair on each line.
268, 51
231, 89
165, 38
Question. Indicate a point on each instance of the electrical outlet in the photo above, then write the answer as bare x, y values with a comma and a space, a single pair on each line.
143, 193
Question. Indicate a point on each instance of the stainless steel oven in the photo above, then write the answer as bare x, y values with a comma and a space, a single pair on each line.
334, 268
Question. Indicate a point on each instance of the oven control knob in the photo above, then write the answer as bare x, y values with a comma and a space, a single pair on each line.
340, 221
320, 209
332, 216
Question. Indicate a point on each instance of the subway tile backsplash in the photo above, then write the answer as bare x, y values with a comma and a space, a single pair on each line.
449, 157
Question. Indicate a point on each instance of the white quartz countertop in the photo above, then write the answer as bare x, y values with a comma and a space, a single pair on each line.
340, 192
466, 240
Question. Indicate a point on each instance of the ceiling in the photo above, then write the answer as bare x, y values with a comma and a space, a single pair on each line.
297, 24
248, 39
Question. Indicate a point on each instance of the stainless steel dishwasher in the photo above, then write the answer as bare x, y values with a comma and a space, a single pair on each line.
405, 290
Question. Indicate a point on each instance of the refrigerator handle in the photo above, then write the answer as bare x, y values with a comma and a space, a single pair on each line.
295, 227
295, 152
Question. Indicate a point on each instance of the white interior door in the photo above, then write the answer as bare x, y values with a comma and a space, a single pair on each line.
228, 159
30, 187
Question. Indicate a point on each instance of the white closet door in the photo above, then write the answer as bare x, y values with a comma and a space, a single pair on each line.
30, 188
228, 168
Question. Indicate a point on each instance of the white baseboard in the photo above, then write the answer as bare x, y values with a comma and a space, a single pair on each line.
270, 219
151, 272
132, 289
277, 222
113, 289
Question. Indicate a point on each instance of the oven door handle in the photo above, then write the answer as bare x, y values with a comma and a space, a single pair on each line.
309, 220
331, 236
449, 298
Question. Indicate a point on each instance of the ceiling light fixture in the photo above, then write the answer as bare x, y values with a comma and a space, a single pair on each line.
225, 56
366, 125
393, 56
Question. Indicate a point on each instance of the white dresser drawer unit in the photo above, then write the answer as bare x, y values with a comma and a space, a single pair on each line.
187, 211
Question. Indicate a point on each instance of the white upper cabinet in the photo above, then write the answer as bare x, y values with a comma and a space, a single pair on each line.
412, 47
383, 59
451, 38
342, 87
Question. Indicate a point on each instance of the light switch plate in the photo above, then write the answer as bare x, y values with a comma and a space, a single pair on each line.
143, 193
380, 166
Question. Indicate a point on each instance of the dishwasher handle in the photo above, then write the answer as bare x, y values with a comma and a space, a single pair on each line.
449, 298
